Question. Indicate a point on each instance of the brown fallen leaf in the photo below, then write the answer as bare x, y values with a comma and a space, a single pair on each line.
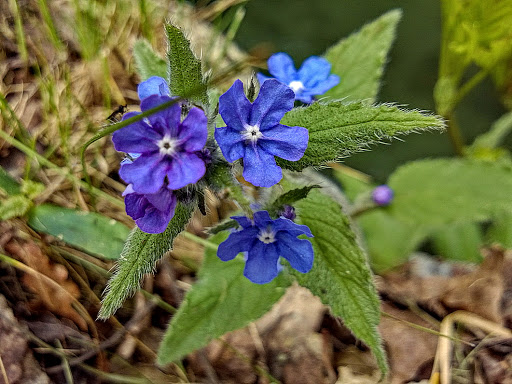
408, 348
479, 291
57, 299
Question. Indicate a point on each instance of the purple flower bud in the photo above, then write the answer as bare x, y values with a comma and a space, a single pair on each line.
382, 195
288, 212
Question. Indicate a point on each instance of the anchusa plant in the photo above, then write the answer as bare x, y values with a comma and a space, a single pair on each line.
288, 227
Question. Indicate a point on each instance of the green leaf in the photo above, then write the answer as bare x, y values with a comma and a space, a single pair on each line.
432, 193
340, 274
500, 230
140, 253
459, 241
339, 130
8, 184
222, 300
359, 59
147, 61
389, 241
185, 69
92, 232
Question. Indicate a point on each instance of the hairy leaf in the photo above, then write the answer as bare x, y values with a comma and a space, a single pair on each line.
139, 256
442, 191
147, 61
221, 301
339, 130
186, 77
92, 232
359, 59
340, 275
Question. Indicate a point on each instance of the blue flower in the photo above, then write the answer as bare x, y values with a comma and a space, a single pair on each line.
155, 85
382, 195
312, 79
151, 212
253, 131
167, 147
265, 240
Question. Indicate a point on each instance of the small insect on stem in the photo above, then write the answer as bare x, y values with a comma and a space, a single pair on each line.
117, 114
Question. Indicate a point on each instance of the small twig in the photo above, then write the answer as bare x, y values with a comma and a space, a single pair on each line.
4, 372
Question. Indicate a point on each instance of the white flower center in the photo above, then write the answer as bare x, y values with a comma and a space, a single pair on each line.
266, 236
252, 133
167, 146
296, 86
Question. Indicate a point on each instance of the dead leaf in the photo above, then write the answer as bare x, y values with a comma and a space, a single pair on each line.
479, 291
57, 300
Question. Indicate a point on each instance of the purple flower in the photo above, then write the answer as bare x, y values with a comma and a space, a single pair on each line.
382, 195
265, 240
167, 147
155, 85
253, 131
151, 212
312, 79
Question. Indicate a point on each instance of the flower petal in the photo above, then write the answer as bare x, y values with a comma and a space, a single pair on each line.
137, 137
314, 70
136, 205
234, 107
288, 143
280, 65
155, 221
164, 200
262, 219
155, 85
260, 168
165, 122
273, 101
243, 221
261, 264
322, 86
185, 168
146, 173
193, 131
230, 142
292, 228
298, 252
237, 242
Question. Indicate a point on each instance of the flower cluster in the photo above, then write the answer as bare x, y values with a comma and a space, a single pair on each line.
312, 79
265, 240
167, 152
165, 155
